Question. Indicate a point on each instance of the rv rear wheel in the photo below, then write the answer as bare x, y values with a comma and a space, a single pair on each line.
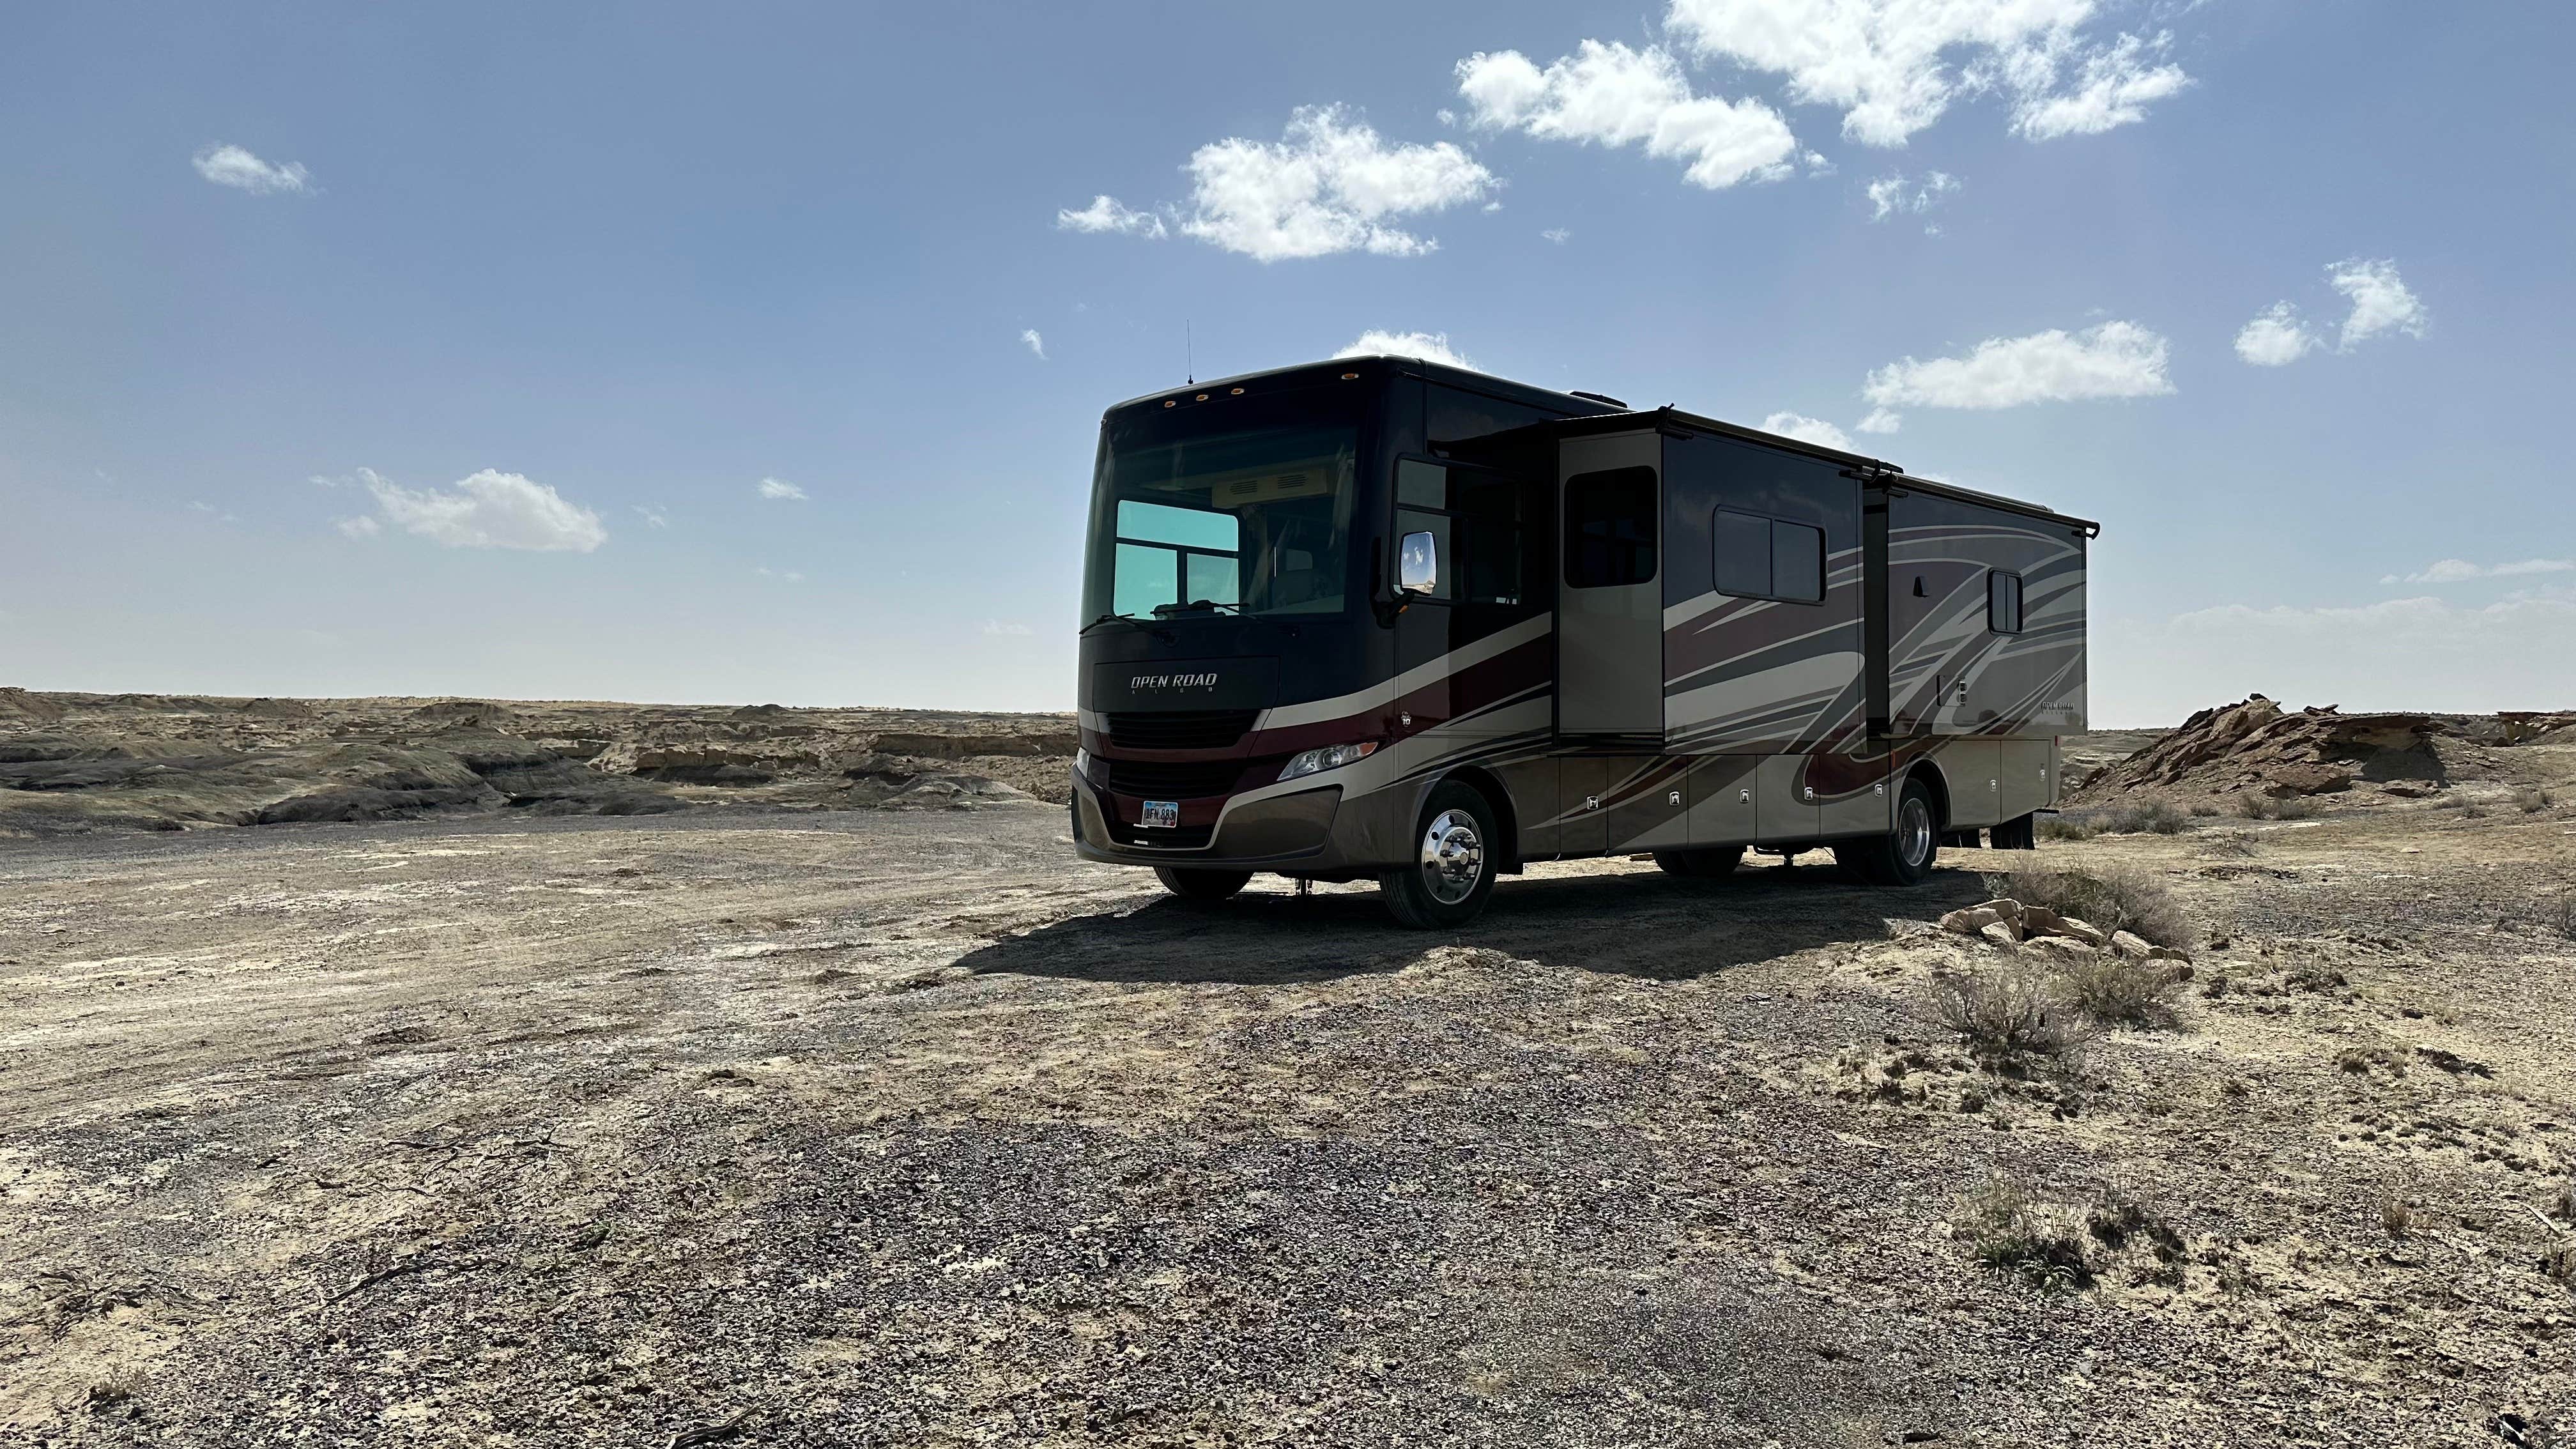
1452, 872
2022, 834
1699, 864
1201, 885
1904, 855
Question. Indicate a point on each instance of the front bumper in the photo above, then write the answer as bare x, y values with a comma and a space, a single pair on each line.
1318, 829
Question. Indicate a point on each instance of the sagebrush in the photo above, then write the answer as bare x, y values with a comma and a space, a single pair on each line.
2255, 805
2005, 1009
2009, 1231
2111, 897
2110, 988
2146, 817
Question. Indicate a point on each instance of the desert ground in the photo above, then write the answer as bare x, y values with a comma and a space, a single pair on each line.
457, 1073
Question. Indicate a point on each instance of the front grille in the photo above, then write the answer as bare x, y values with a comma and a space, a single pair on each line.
1157, 780
1190, 729
1186, 837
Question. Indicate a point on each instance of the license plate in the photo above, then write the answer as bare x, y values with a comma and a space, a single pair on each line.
1163, 814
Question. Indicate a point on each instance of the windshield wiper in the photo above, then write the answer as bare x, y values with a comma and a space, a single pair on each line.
1166, 611
1109, 619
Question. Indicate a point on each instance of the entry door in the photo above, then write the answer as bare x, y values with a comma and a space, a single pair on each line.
1610, 607
1472, 655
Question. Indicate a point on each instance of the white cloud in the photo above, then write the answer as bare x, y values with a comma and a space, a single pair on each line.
227, 165
1330, 185
653, 514
995, 628
1611, 95
784, 575
1104, 214
1807, 430
1888, 196
2460, 570
489, 509
2112, 360
1893, 66
1556, 234
2380, 301
782, 489
1428, 346
1030, 339
2113, 86
362, 526
2420, 618
2275, 338
1881, 420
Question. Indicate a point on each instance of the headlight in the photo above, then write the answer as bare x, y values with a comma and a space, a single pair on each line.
1082, 763
1330, 758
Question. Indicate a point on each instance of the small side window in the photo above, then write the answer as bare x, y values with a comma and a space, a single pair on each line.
1610, 528
1768, 558
2003, 602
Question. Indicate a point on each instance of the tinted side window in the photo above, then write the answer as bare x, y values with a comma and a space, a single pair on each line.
1798, 562
1768, 558
1743, 553
1610, 528
2003, 603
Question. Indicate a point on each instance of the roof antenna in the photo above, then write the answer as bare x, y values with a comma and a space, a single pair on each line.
1189, 356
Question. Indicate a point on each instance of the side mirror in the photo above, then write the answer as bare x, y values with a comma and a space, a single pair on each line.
1417, 568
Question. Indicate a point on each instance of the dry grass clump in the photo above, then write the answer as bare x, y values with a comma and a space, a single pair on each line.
2111, 988
2005, 1009
2563, 916
2236, 844
2010, 1232
2395, 1215
2532, 799
2146, 817
2203, 809
2068, 827
2113, 898
2255, 805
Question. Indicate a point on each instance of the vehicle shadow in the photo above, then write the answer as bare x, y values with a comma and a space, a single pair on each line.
1637, 923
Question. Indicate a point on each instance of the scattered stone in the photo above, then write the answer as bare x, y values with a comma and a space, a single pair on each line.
2001, 933
1970, 920
2131, 946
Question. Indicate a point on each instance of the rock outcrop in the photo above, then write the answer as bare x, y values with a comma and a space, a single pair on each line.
2255, 746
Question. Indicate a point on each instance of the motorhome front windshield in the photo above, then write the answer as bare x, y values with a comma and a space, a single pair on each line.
1230, 510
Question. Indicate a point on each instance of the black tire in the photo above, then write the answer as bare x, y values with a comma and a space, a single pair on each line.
1201, 885
1904, 855
1706, 864
1456, 853
2021, 834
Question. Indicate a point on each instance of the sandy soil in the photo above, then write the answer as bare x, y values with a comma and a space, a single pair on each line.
907, 1128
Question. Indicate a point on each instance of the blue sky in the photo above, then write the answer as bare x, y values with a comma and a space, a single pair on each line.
543, 297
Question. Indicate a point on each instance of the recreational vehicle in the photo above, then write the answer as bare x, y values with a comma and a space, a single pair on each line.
1384, 619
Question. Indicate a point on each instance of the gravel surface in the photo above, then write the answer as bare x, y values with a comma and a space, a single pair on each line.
883, 1129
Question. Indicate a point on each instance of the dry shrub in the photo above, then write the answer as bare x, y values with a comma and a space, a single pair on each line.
2011, 1232
2255, 805
2112, 898
2113, 988
2005, 1009
2532, 799
2203, 809
2562, 1205
2563, 916
2146, 817
2068, 827
2395, 1215
2235, 843
2473, 811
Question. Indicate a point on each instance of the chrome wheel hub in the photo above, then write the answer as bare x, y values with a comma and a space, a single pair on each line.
1914, 831
1453, 857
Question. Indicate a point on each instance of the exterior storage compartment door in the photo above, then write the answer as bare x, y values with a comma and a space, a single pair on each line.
1609, 610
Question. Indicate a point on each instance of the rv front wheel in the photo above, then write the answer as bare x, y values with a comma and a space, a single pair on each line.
1201, 885
1452, 872
1904, 855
